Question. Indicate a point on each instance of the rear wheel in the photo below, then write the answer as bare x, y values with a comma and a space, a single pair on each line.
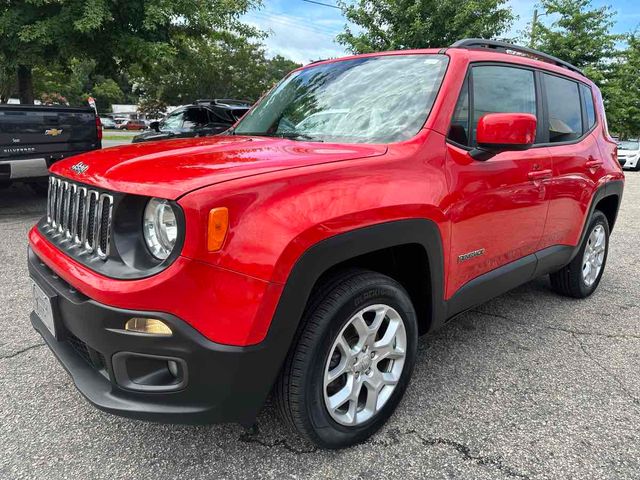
581, 277
352, 361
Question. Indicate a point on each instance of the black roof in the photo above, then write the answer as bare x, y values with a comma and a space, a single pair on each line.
230, 103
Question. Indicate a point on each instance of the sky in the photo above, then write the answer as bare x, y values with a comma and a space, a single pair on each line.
304, 31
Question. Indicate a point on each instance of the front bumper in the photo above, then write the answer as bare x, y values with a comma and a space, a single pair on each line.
221, 383
629, 162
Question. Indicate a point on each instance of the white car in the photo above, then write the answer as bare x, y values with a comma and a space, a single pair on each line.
629, 154
107, 122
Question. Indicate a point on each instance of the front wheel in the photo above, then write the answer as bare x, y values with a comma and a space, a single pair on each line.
581, 277
352, 361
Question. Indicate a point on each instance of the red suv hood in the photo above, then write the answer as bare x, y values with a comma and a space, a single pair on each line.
172, 168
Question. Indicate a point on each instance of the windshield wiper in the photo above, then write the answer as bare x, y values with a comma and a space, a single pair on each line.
287, 135
297, 136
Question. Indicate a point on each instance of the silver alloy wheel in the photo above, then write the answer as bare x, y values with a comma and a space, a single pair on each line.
364, 365
594, 255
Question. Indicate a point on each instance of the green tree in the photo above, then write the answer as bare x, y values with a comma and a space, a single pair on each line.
620, 85
117, 35
221, 67
580, 34
401, 24
106, 92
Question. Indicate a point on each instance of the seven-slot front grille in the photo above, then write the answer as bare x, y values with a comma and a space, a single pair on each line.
81, 215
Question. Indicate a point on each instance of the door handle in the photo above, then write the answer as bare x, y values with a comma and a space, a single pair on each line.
540, 174
593, 163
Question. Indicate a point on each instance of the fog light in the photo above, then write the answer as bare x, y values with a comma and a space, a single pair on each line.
173, 368
150, 326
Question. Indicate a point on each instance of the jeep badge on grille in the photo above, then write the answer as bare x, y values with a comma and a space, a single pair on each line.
80, 167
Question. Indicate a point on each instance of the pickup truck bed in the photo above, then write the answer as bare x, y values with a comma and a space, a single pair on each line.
33, 137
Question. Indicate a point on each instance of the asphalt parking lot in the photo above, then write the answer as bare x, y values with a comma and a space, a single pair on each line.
529, 385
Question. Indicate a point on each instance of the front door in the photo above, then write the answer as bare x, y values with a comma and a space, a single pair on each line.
498, 207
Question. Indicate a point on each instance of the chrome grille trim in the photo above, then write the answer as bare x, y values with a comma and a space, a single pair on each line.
89, 230
79, 220
50, 197
80, 216
57, 203
104, 234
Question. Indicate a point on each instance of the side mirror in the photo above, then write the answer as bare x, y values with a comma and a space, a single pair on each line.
155, 126
502, 132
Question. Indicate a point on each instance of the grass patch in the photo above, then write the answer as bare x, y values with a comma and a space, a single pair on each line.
118, 137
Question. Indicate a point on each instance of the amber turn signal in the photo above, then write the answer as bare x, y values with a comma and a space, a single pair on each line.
218, 226
150, 326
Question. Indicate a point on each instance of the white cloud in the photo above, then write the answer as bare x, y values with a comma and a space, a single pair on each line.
297, 43
298, 38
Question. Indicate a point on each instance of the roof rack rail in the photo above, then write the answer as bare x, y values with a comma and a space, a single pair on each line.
224, 101
505, 46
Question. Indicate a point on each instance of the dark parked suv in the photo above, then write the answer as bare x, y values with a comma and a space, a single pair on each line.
203, 118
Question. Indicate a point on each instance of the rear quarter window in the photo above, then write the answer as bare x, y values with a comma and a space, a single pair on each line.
564, 109
589, 107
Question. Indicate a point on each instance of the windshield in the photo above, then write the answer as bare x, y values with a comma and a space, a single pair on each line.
629, 145
365, 100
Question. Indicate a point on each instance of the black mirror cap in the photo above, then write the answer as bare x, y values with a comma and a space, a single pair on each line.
484, 151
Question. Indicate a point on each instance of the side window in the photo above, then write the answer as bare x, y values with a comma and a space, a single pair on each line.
194, 118
459, 129
498, 89
564, 109
589, 107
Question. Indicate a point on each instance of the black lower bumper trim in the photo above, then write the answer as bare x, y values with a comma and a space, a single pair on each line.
225, 383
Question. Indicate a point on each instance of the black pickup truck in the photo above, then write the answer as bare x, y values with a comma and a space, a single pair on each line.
32, 137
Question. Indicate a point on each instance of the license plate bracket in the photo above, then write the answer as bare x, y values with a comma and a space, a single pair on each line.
44, 307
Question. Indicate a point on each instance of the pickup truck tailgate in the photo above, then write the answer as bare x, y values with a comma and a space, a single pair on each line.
32, 137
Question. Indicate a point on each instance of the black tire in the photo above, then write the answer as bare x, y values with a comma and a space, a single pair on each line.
299, 390
569, 280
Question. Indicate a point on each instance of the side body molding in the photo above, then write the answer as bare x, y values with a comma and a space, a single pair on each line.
516, 273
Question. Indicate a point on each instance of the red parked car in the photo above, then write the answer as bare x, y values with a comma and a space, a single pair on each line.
133, 124
363, 202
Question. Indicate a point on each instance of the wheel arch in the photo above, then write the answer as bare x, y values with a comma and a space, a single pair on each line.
350, 249
609, 205
401, 249
607, 199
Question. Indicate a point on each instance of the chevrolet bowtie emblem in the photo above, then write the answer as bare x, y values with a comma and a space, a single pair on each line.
80, 167
54, 132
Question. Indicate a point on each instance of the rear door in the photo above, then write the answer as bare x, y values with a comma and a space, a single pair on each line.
497, 207
577, 163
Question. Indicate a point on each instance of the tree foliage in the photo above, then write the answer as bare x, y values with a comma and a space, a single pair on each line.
580, 34
621, 91
401, 24
226, 65
116, 35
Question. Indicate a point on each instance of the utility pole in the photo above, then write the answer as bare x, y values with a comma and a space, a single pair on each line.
534, 25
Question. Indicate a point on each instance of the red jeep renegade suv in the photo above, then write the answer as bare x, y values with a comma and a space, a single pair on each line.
362, 202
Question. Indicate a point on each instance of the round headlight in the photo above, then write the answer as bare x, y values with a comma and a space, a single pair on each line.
160, 228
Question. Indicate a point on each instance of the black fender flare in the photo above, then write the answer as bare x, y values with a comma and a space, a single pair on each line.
322, 256
334, 250
613, 188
